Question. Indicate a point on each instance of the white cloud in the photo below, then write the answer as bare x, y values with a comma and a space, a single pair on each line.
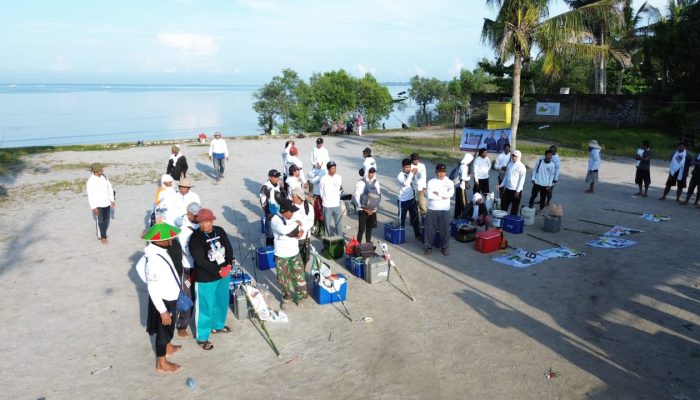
456, 68
61, 64
363, 69
191, 43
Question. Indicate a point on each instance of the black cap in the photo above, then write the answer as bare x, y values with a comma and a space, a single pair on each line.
367, 150
372, 170
319, 140
293, 169
405, 162
274, 172
361, 171
441, 167
287, 205
415, 156
330, 164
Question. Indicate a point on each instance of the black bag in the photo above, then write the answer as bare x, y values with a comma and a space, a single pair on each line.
365, 250
466, 233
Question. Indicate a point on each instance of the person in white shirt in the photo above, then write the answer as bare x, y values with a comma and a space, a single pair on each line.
543, 173
367, 213
678, 172
330, 188
294, 180
593, 165
101, 199
163, 281
314, 180
440, 191
165, 204
218, 153
557, 168
305, 214
290, 271
513, 184
289, 158
368, 161
482, 166
187, 225
319, 155
421, 183
501, 164
181, 200
407, 196
270, 193
465, 177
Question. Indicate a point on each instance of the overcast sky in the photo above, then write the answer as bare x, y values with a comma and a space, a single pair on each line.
238, 41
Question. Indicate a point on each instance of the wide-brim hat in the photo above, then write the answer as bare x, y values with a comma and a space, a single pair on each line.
94, 167
594, 144
161, 231
184, 182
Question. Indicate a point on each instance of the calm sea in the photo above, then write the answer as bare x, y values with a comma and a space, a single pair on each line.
55, 114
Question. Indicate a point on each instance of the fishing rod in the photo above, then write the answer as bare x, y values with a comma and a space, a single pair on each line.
262, 325
543, 240
392, 264
318, 262
622, 211
596, 223
584, 232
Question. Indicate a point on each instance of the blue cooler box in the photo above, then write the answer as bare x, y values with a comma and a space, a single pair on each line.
513, 223
348, 262
357, 267
455, 224
324, 295
265, 257
394, 234
246, 279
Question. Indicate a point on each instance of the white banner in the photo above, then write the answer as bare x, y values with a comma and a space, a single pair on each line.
618, 231
607, 242
560, 252
547, 109
520, 259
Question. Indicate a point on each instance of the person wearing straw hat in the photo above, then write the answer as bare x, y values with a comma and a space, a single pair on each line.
593, 165
101, 199
184, 197
290, 271
212, 255
177, 164
306, 215
218, 154
162, 274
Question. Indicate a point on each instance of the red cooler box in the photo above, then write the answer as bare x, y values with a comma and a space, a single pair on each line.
488, 241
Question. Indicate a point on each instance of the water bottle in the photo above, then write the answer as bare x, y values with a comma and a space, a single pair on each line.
191, 383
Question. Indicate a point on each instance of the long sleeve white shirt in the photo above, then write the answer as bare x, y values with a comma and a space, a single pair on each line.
307, 220
543, 173
360, 188
445, 189
502, 161
159, 277
330, 190
285, 246
218, 146
368, 163
180, 204
319, 156
515, 176
184, 237
482, 167
421, 176
594, 160
406, 191
314, 177
100, 192
293, 182
557, 166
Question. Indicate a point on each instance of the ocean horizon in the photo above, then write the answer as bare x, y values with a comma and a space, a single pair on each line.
48, 114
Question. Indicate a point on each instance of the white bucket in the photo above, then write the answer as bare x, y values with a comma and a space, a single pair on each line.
528, 215
488, 202
498, 216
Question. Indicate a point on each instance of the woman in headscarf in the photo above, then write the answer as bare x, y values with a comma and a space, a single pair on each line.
461, 189
477, 212
177, 164
165, 194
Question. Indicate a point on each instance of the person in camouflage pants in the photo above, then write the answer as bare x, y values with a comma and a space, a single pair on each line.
290, 275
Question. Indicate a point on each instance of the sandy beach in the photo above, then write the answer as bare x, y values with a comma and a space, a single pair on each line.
614, 324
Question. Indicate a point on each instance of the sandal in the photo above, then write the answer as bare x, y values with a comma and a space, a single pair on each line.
206, 345
225, 329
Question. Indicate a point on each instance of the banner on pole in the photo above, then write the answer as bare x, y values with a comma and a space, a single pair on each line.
493, 140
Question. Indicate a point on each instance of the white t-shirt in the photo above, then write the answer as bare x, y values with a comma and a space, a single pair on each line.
482, 167
330, 190
445, 189
285, 246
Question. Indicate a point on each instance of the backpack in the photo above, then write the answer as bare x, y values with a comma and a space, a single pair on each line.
455, 176
371, 197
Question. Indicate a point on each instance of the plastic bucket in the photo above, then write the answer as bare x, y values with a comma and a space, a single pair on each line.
498, 216
528, 215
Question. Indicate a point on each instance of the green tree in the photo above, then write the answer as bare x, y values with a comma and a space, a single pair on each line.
374, 100
276, 100
426, 91
521, 25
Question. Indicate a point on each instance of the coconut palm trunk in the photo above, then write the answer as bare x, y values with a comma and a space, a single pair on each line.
515, 116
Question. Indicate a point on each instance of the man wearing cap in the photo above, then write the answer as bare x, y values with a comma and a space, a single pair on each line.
330, 187
188, 225
101, 199
294, 180
305, 214
212, 255
177, 164
440, 191
290, 271
513, 183
368, 162
593, 165
271, 192
218, 153
182, 199
543, 174
162, 275
421, 182
319, 155
367, 214
407, 197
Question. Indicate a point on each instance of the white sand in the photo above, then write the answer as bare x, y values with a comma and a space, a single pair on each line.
611, 324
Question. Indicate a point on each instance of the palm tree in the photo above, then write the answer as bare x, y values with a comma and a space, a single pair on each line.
522, 25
